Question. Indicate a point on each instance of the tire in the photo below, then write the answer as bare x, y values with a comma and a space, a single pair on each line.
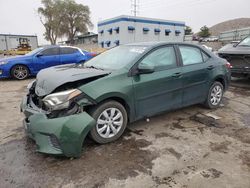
20, 72
215, 95
108, 127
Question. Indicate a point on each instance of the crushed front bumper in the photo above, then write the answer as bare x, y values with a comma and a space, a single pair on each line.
59, 136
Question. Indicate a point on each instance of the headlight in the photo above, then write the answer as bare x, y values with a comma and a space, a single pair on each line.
60, 100
3, 62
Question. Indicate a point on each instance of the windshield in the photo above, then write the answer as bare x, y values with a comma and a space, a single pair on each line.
116, 58
34, 51
245, 42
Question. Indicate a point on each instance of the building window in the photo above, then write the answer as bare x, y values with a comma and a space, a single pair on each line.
102, 44
157, 31
101, 32
167, 32
131, 29
110, 31
145, 30
117, 42
177, 32
117, 29
108, 43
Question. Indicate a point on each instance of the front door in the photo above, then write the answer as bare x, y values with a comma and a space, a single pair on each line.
160, 90
47, 58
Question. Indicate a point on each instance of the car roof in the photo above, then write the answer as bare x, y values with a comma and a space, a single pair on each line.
59, 46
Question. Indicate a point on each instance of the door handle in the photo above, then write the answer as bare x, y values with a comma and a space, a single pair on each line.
177, 75
210, 67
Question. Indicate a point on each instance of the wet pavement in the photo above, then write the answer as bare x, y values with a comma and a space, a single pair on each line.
184, 148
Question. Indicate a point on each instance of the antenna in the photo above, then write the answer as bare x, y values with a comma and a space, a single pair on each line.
135, 7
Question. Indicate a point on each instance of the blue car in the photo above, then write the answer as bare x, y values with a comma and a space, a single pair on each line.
20, 67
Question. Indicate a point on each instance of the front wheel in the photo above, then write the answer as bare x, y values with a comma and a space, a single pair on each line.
111, 121
215, 95
20, 72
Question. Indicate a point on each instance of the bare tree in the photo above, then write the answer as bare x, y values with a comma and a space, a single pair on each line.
76, 19
52, 19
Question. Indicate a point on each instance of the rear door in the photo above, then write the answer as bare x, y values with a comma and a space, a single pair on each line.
160, 90
47, 58
196, 71
69, 55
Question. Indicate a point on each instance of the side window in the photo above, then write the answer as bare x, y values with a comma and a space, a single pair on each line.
51, 51
65, 50
190, 55
161, 58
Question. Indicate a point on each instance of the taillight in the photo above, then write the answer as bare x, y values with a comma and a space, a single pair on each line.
228, 65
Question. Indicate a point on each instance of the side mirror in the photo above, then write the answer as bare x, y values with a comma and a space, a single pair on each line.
145, 69
39, 55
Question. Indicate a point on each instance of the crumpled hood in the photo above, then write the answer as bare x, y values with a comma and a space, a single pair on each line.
24, 57
231, 49
51, 78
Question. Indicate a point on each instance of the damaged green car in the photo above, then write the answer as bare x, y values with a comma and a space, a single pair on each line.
127, 83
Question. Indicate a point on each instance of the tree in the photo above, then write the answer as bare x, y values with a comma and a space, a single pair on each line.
52, 19
76, 19
64, 18
204, 32
188, 30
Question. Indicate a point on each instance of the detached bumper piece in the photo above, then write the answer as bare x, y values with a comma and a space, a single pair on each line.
58, 136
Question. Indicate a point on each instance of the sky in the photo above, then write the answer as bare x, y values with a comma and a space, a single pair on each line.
20, 16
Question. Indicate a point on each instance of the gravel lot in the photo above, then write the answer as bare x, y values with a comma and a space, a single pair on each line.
183, 149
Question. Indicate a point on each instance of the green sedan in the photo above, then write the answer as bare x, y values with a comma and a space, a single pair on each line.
127, 83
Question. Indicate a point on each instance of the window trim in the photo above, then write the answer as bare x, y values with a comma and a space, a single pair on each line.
187, 45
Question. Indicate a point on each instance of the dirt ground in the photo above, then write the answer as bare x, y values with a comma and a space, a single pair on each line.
184, 149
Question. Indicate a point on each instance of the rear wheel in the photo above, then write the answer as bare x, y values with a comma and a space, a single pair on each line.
111, 121
215, 95
20, 72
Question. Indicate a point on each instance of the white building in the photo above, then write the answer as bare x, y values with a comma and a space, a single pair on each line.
129, 29
10, 42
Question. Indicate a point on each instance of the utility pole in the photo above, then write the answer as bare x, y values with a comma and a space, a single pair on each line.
135, 7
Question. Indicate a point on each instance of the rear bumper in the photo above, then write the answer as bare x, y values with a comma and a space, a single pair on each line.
58, 136
242, 70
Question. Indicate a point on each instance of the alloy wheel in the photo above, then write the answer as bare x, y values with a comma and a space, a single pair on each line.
20, 72
109, 122
216, 95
